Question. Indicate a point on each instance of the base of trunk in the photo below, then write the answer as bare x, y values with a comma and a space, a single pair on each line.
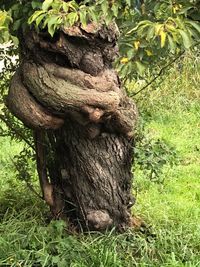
91, 178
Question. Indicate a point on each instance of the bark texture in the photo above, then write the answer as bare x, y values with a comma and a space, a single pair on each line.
67, 91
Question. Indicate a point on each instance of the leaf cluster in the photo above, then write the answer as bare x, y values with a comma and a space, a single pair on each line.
152, 154
55, 14
152, 32
155, 32
5, 20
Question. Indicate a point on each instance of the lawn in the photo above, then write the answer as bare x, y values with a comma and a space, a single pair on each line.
169, 205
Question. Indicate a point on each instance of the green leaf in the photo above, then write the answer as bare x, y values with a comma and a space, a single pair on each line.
36, 4
194, 24
72, 18
115, 9
93, 14
52, 24
195, 35
150, 33
187, 42
130, 53
163, 36
17, 24
104, 7
128, 2
46, 4
73, 5
172, 44
141, 68
83, 17
57, 4
65, 7
14, 39
39, 19
124, 71
35, 15
3, 16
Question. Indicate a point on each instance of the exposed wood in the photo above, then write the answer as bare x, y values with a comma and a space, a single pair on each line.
46, 187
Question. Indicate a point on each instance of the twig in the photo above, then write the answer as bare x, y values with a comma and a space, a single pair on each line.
162, 70
29, 185
16, 131
159, 74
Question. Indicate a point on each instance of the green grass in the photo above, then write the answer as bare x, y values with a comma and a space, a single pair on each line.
171, 208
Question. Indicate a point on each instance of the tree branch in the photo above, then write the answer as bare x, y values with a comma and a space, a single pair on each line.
159, 74
162, 70
16, 131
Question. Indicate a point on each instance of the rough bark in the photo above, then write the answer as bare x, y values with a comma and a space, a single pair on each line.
66, 90
24, 106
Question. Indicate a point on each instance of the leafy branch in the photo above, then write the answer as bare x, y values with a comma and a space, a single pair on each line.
159, 74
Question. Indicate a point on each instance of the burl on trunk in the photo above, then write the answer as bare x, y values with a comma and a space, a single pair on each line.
67, 91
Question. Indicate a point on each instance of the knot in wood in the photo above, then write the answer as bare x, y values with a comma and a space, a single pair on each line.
99, 219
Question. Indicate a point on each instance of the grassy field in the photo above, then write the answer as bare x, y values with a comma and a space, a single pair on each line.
170, 206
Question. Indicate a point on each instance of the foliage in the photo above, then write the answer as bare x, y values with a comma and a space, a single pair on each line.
15, 129
11, 127
151, 31
152, 154
5, 20
156, 32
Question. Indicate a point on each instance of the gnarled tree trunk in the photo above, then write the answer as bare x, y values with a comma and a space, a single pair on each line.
67, 91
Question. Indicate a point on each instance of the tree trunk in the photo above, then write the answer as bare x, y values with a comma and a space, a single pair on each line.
66, 90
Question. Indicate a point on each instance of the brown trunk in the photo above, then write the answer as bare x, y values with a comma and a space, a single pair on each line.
67, 91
